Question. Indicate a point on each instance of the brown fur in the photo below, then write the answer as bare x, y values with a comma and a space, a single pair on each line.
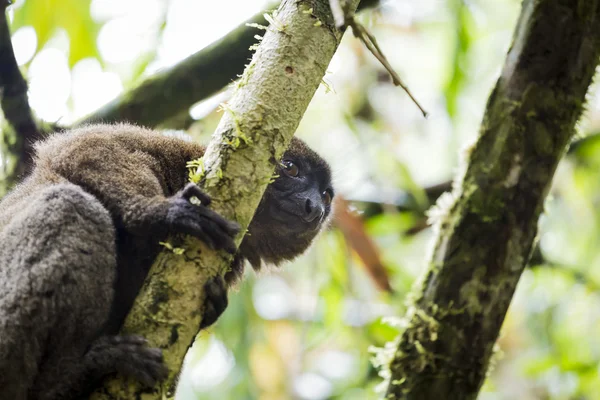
80, 233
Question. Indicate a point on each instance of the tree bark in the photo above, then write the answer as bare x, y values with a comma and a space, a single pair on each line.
18, 138
255, 130
487, 231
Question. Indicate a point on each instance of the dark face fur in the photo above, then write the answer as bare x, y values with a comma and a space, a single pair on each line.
293, 209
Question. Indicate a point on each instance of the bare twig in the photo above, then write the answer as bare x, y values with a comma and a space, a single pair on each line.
344, 18
369, 40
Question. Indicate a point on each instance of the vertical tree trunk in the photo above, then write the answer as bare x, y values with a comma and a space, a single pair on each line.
485, 236
20, 131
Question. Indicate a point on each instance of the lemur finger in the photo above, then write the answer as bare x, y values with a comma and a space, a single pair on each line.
222, 239
193, 228
231, 228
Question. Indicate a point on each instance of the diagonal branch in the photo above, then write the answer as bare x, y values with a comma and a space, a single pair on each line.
170, 92
173, 91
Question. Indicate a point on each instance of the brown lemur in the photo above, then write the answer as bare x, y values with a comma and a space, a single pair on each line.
80, 233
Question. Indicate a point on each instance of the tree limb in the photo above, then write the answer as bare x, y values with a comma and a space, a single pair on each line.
258, 124
487, 233
168, 93
406, 201
19, 137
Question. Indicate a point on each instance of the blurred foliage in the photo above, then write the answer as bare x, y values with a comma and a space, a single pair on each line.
48, 16
305, 331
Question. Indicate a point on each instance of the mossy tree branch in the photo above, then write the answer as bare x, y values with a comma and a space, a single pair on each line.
21, 131
487, 233
255, 130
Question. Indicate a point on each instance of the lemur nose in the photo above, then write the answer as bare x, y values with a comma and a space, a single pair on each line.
312, 211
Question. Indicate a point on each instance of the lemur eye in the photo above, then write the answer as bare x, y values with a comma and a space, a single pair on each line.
290, 168
327, 197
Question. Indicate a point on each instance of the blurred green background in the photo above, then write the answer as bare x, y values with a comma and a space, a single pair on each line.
305, 331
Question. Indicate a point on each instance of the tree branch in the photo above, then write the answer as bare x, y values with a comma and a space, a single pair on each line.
19, 137
258, 124
486, 235
199, 76
405, 201
168, 93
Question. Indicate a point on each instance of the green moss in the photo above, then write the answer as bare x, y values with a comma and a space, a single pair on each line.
257, 26
254, 47
160, 296
419, 331
319, 10
245, 78
328, 87
412, 351
471, 291
175, 250
542, 140
196, 170
275, 22
488, 204
237, 136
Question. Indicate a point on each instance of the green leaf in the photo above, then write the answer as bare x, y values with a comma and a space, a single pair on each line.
82, 30
47, 16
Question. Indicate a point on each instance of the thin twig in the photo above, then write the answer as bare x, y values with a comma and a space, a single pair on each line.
344, 18
369, 40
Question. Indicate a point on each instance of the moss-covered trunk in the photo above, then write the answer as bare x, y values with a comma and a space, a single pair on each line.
486, 234
256, 128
